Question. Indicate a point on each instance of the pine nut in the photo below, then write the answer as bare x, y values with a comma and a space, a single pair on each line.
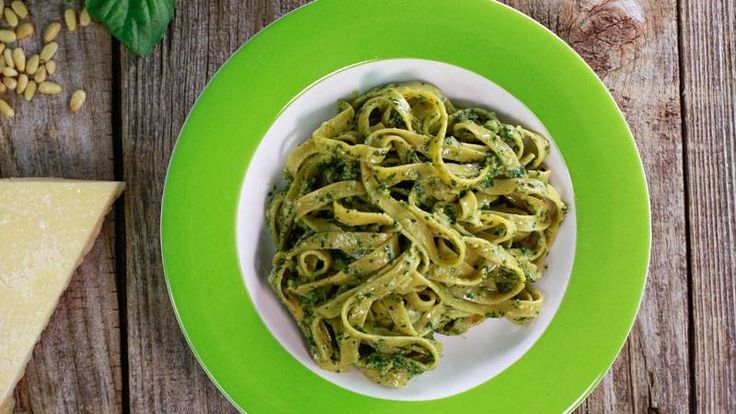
11, 83
49, 51
23, 31
8, 57
20, 9
22, 83
84, 19
7, 36
3, 88
40, 74
10, 72
11, 17
2, 47
50, 67
2, 4
77, 100
30, 91
49, 88
6, 109
19, 58
70, 17
50, 32
32, 64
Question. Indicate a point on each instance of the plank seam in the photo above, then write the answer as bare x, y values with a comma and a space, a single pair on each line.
120, 234
686, 194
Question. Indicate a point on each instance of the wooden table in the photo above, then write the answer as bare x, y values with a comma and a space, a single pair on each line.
114, 345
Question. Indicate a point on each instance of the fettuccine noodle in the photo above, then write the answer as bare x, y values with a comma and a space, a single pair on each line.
404, 217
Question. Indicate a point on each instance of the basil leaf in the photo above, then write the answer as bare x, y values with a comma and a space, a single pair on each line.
138, 24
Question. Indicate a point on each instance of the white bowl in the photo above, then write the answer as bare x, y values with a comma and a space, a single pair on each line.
468, 360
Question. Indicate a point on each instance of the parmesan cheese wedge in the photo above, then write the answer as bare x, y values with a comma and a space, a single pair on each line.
46, 228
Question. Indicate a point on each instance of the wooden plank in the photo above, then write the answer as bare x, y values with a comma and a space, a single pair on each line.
158, 92
76, 365
709, 80
632, 45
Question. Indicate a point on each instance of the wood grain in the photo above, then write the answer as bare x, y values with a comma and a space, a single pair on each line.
158, 92
632, 45
76, 366
709, 80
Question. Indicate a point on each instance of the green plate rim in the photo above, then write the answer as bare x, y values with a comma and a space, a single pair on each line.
203, 182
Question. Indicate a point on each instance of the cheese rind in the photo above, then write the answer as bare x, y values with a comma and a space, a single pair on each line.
6, 407
46, 228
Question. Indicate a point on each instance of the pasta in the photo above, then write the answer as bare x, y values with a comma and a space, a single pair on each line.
404, 217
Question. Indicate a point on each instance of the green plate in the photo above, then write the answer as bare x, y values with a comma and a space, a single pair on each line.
208, 167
